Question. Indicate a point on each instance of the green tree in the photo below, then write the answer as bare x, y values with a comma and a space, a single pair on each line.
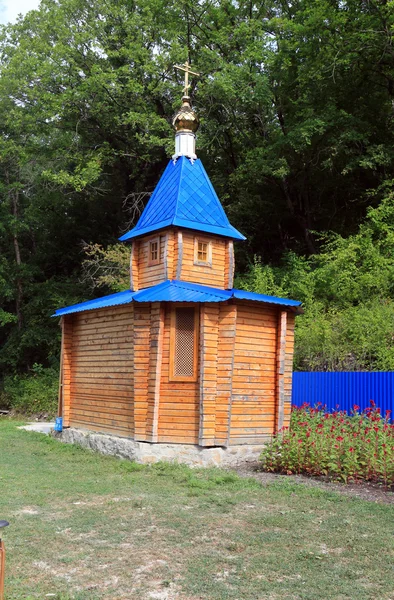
295, 101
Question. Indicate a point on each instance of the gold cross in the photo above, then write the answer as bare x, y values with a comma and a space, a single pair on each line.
186, 69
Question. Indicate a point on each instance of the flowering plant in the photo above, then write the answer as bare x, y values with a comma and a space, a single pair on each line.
352, 447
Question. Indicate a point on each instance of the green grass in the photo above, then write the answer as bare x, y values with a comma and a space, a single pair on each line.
87, 527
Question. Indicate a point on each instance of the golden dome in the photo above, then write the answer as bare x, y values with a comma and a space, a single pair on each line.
186, 119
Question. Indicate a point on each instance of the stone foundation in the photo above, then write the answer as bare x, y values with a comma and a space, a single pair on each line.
146, 453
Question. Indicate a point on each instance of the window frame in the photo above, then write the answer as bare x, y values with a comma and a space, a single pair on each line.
184, 378
203, 263
156, 261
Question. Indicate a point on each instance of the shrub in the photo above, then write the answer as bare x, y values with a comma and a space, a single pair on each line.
351, 448
33, 393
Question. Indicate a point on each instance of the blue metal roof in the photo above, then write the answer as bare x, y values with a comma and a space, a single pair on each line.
112, 300
174, 291
184, 197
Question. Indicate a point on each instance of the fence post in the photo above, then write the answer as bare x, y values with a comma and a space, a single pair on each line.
2, 560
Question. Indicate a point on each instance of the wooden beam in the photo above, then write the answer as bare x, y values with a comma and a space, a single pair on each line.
141, 350
134, 267
231, 264
67, 368
166, 256
230, 404
209, 337
280, 370
157, 353
60, 392
180, 255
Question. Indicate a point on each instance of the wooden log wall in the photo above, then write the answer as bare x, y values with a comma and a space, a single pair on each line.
140, 368
217, 344
157, 317
253, 406
177, 260
116, 374
65, 369
178, 413
229, 265
209, 340
226, 358
214, 275
102, 374
288, 371
149, 275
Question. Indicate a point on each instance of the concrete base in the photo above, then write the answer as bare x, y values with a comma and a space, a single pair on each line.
39, 427
146, 453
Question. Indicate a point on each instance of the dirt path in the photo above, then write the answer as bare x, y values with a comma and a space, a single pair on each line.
365, 491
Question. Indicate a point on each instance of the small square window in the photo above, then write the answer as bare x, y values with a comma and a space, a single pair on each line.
154, 252
202, 252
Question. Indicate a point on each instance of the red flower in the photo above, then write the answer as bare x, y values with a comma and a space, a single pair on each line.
355, 407
372, 403
339, 438
351, 449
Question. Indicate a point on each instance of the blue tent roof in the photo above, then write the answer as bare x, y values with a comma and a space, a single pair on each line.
184, 197
174, 291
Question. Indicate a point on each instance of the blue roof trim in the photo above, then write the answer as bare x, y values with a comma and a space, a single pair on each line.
174, 291
243, 295
113, 300
229, 231
181, 291
184, 197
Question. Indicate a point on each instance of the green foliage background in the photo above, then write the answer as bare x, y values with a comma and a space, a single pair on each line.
296, 109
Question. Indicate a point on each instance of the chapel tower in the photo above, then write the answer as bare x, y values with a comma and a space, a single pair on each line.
183, 233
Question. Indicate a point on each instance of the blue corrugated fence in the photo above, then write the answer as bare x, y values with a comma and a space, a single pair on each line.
343, 390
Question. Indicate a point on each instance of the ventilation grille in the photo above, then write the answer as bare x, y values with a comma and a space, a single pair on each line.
184, 342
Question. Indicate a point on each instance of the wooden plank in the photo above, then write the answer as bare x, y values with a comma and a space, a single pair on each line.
67, 367
141, 369
280, 370
180, 255
288, 367
180, 398
226, 348
157, 329
208, 369
104, 427
178, 439
231, 264
61, 373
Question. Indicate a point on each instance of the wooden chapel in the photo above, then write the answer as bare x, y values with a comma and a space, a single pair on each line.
181, 357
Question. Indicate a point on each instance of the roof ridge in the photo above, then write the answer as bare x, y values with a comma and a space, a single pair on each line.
190, 285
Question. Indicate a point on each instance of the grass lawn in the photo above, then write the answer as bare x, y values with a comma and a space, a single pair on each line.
85, 527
